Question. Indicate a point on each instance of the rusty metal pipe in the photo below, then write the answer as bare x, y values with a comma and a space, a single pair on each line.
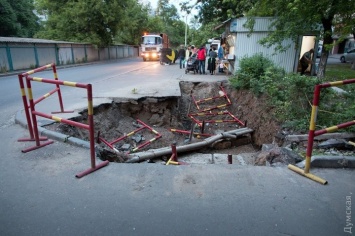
189, 147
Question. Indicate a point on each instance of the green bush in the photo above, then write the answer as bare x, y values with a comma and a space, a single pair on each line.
295, 104
251, 71
336, 108
291, 95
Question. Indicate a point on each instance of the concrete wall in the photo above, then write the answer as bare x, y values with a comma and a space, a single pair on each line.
45, 53
28, 55
22, 57
3, 60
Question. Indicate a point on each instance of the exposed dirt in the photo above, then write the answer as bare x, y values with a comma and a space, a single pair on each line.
119, 119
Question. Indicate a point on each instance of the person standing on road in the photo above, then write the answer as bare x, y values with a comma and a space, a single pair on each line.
305, 60
193, 49
220, 57
181, 56
201, 57
187, 55
212, 62
221, 52
209, 59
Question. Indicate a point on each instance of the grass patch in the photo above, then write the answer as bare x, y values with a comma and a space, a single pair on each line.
343, 71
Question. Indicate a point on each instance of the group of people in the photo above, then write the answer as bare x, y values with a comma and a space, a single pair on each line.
212, 56
201, 54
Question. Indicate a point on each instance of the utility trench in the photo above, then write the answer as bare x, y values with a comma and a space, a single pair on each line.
208, 122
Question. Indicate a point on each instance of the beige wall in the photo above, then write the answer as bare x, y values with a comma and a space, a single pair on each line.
307, 43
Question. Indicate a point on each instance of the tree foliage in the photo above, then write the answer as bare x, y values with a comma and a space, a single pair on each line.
199, 36
108, 21
167, 12
17, 18
142, 18
290, 95
154, 24
216, 10
91, 21
172, 25
136, 22
212, 13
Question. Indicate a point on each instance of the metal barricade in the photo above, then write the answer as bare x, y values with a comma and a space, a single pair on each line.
313, 133
25, 103
89, 127
144, 126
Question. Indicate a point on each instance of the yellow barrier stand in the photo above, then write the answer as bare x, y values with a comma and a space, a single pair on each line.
172, 162
308, 175
312, 129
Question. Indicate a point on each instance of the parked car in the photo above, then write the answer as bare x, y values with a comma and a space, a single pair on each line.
348, 56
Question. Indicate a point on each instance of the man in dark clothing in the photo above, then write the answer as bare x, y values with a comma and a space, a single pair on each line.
305, 60
181, 56
212, 61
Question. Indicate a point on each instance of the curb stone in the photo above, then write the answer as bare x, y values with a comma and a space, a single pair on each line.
330, 162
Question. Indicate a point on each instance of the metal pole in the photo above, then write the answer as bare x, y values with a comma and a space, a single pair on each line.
185, 30
34, 122
94, 167
58, 88
91, 126
191, 131
312, 127
173, 150
230, 161
25, 104
203, 127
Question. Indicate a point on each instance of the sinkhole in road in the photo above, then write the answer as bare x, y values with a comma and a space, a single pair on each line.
126, 128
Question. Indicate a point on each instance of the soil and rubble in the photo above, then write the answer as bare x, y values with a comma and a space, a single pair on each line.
266, 145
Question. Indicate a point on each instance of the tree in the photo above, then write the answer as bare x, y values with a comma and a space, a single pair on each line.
167, 12
216, 10
210, 14
142, 18
154, 24
136, 23
294, 18
172, 25
343, 29
198, 34
90, 21
107, 21
17, 18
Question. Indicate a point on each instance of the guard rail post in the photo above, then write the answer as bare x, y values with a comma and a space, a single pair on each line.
26, 106
34, 122
312, 130
59, 93
94, 167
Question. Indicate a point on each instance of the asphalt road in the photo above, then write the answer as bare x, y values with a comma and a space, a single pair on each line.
39, 194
